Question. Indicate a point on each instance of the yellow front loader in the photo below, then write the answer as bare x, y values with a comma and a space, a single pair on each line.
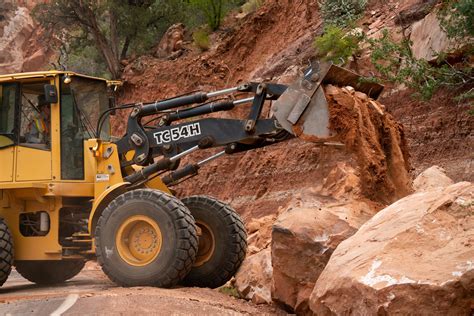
70, 192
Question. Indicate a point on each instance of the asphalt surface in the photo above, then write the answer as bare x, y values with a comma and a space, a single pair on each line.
91, 293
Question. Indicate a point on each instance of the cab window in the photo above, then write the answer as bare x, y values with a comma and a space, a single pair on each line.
8, 97
35, 122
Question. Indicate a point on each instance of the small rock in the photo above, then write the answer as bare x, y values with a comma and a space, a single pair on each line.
431, 178
331, 90
349, 89
172, 41
376, 107
254, 279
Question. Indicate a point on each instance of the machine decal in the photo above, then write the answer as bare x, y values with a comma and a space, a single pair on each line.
177, 133
100, 177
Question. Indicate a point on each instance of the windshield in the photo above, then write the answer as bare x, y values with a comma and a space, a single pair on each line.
87, 99
82, 102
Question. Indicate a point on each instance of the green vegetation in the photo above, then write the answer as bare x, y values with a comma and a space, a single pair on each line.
229, 290
94, 36
457, 18
201, 39
113, 28
337, 45
394, 59
214, 10
251, 6
342, 12
396, 63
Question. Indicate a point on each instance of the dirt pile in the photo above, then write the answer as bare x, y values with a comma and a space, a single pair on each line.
375, 138
256, 46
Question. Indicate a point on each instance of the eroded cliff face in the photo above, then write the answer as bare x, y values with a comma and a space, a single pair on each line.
23, 45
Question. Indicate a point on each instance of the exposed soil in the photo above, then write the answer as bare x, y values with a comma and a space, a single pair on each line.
377, 141
439, 131
264, 45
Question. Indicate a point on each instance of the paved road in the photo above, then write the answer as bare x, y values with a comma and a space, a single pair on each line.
91, 293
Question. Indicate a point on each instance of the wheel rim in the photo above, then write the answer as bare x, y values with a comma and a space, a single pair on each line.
138, 240
207, 244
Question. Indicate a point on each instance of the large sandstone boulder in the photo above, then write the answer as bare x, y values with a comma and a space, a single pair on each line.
253, 281
429, 39
415, 256
432, 178
303, 239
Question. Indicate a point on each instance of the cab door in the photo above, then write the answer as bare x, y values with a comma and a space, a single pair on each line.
33, 153
8, 135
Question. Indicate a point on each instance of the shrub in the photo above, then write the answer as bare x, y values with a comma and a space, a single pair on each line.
396, 64
457, 18
342, 12
213, 10
336, 44
251, 6
201, 39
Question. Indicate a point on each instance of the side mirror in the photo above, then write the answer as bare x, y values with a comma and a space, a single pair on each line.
50, 93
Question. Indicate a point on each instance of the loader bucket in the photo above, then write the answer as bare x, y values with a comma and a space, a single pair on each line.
302, 109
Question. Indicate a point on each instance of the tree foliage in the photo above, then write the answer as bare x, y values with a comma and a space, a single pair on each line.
113, 27
336, 44
342, 12
214, 10
457, 18
396, 63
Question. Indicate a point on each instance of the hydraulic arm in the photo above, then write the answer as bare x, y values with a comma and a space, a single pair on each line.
298, 110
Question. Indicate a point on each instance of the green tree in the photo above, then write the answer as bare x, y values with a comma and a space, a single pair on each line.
337, 45
214, 10
342, 12
396, 63
114, 28
457, 18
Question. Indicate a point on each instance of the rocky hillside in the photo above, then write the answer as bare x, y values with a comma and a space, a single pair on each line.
271, 44
331, 230
23, 46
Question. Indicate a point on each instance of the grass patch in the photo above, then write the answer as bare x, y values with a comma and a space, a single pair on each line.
229, 290
201, 39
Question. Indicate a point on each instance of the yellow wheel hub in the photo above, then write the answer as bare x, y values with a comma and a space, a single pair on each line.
139, 240
207, 244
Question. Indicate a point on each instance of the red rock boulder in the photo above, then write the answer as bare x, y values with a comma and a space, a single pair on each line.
254, 279
303, 239
415, 256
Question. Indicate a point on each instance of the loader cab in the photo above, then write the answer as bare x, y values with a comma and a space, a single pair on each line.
45, 117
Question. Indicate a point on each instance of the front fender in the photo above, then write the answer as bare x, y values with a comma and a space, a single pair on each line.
102, 201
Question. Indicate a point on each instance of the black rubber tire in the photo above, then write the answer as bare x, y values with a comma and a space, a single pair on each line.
230, 241
178, 250
6, 252
49, 271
